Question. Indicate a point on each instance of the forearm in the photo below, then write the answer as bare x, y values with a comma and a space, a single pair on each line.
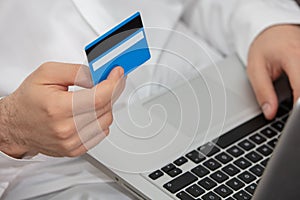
232, 25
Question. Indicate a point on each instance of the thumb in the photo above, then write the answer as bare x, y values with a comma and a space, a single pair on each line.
262, 84
116, 74
63, 74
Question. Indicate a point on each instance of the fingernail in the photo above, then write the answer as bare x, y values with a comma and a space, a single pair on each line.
117, 72
120, 71
266, 108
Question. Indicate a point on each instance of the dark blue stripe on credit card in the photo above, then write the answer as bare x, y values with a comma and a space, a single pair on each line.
114, 37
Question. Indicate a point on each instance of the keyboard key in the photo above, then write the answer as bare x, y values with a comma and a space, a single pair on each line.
184, 196
207, 183
223, 191
268, 132
212, 164
257, 170
174, 172
211, 196
235, 151
264, 150
247, 177
251, 188
180, 161
246, 145
195, 190
209, 149
242, 195
242, 163
168, 167
230, 170
200, 171
155, 175
257, 138
219, 176
254, 157
273, 143
235, 184
265, 162
278, 126
241, 131
180, 182
195, 156
224, 158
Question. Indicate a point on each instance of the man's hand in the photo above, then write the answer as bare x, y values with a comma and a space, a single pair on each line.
42, 116
273, 52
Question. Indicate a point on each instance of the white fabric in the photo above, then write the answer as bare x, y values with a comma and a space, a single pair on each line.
33, 32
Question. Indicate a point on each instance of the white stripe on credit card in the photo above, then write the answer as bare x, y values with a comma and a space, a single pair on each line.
117, 51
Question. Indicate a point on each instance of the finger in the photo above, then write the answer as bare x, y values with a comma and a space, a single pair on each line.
87, 100
95, 140
90, 100
85, 118
120, 88
261, 81
87, 133
96, 127
64, 74
105, 121
292, 70
84, 78
116, 84
82, 149
116, 74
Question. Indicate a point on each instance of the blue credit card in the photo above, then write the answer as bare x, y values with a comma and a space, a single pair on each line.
125, 45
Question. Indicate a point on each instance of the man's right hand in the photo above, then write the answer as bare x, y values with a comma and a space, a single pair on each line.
42, 116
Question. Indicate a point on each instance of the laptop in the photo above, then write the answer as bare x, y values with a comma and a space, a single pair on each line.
219, 146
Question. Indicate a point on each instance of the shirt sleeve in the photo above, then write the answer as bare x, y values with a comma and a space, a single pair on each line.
11, 167
232, 25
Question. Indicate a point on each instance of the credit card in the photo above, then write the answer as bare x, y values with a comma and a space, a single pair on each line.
125, 45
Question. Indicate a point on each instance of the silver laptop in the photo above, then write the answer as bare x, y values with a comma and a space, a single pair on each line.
205, 139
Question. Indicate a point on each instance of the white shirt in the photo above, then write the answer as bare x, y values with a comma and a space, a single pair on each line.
33, 32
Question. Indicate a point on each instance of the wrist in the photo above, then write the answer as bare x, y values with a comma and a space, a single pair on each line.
9, 143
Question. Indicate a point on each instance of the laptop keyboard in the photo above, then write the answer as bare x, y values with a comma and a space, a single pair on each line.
227, 168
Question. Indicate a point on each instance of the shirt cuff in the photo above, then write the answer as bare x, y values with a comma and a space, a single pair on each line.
253, 18
7, 161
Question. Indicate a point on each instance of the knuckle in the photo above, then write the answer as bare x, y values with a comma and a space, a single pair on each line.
106, 132
67, 146
51, 111
64, 131
110, 118
73, 154
107, 108
45, 66
291, 52
106, 121
52, 108
108, 85
77, 153
99, 103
